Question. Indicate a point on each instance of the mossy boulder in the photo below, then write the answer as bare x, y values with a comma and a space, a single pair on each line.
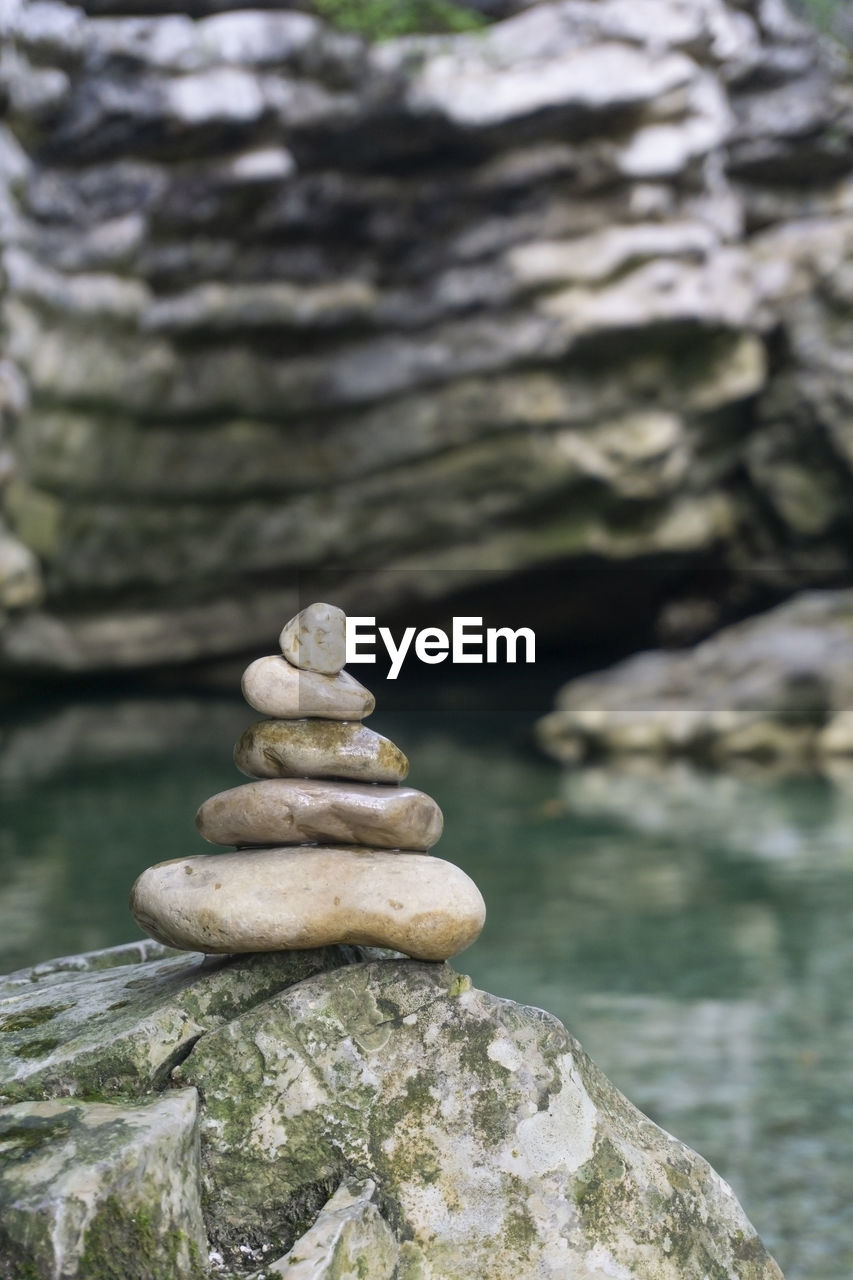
96, 1031
98, 1189
342, 1114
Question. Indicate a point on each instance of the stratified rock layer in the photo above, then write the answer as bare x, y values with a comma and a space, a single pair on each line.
512, 293
493, 1145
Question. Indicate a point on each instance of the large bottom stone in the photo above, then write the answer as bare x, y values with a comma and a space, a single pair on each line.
496, 1147
500, 1150
295, 898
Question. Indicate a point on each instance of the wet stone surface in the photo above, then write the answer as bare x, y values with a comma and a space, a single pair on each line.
319, 749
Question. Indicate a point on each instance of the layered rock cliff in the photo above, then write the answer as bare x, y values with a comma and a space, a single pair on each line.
568, 292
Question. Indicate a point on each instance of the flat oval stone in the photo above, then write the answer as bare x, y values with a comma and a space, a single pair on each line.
318, 749
293, 899
302, 810
316, 639
275, 687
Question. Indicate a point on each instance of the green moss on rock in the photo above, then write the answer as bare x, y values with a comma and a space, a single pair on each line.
38, 1048
121, 1030
495, 1146
129, 1244
20, 1137
102, 1191
29, 1018
383, 19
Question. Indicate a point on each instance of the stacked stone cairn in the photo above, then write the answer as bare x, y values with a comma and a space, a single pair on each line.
331, 848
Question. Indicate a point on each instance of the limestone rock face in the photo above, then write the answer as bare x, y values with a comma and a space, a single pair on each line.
20, 578
237, 322
778, 686
484, 1139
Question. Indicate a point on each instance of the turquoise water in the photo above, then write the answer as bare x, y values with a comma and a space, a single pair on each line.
694, 932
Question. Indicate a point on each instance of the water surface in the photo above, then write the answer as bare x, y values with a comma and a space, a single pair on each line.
695, 932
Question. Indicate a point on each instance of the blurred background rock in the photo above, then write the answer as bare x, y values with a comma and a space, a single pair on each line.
560, 289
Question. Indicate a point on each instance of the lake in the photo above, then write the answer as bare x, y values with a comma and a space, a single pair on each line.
695, 932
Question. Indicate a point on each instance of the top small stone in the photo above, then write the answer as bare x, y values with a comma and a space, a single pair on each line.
316, 639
